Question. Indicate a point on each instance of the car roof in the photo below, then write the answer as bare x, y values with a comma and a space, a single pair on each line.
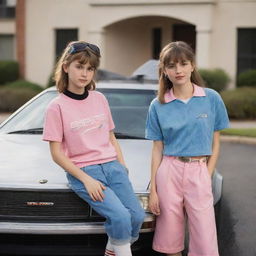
126, 85
120, 85
147, 71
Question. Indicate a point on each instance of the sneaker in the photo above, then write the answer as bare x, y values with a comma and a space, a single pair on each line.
109, 253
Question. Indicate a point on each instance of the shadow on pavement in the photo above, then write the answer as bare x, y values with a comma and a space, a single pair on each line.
226, 231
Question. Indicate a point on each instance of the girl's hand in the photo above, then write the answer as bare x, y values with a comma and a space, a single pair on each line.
94, 188
154, 203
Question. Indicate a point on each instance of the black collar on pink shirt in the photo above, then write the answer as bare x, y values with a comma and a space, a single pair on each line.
76, 96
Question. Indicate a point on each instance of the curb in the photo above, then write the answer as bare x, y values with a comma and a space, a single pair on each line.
238, 139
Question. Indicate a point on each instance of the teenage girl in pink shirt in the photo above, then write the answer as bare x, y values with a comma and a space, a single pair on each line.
79, 128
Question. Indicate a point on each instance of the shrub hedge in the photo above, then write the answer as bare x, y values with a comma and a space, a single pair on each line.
240, 102
9, 71
20, 84
12, 98
14, 95
216, 79
247, 78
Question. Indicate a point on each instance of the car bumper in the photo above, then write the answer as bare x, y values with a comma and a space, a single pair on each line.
66, 245
66, 227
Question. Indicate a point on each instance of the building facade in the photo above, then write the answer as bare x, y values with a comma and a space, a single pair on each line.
129, 32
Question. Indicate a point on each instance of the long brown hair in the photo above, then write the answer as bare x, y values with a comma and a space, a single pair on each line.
87, 55
175, 52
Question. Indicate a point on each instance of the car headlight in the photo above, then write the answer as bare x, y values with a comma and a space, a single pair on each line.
144, 201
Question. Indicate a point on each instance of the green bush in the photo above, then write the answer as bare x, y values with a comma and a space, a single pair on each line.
240, 102
247, 78
216, 79
14, 95
13, 98
9, 71
20, 84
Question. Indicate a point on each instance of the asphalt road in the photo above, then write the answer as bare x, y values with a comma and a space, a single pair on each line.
237, 234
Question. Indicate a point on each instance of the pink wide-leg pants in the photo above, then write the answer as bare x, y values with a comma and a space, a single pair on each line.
185, 189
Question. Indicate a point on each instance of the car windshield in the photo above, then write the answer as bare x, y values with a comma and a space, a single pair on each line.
128, 107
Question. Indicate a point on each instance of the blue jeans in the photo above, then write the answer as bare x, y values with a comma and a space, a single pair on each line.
121, 208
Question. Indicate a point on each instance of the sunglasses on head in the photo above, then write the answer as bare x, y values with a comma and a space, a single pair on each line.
81, 46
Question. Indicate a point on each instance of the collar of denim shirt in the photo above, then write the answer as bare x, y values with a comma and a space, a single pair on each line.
198, 92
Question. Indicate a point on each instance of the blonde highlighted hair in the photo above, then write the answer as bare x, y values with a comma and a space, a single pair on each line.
175, 52
67, 57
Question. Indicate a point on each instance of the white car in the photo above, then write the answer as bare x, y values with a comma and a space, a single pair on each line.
37, 204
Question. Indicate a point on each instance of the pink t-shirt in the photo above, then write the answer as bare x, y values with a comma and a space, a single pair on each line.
82, 126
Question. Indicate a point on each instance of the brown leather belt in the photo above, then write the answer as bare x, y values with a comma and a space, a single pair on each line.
186, 159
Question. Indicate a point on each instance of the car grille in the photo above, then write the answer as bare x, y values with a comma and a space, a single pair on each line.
44, 205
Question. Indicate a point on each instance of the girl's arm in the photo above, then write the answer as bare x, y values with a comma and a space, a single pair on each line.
116, 145
215, 152
93, 187
156, 158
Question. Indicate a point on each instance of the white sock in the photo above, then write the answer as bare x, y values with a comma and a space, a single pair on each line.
109, 249
123, 250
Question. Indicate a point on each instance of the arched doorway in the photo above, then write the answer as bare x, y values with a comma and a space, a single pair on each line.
131, 42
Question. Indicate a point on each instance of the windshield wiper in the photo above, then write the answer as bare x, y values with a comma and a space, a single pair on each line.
28, 131
120, 135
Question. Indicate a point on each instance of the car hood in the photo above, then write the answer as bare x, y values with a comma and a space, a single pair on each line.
26, 163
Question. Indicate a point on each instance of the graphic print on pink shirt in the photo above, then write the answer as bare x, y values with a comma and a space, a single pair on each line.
88, 124
82, 126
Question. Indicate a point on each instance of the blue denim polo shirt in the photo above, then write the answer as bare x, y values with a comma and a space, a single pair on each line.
186, 129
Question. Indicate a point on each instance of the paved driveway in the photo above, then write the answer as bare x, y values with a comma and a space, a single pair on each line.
243, 124
237, 235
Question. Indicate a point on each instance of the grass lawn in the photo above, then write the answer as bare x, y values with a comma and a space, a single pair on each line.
250, 132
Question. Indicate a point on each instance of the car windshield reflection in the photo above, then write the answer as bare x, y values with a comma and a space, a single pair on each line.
128, 107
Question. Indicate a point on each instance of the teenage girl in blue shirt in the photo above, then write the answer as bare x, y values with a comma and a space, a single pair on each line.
184, 122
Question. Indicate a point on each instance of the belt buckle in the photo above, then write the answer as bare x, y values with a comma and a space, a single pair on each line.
199, 160
184, 159
203, 160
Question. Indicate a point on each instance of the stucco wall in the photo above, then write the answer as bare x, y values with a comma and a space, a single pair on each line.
122, 29
42, 18
7, 27
228, 17
129, 42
